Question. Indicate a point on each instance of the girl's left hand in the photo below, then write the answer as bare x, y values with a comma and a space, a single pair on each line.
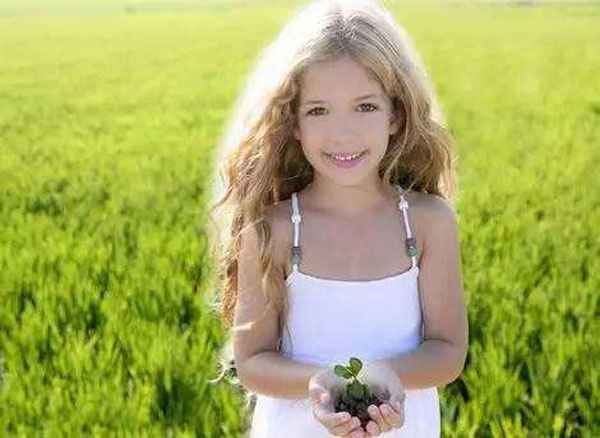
387, 386
323, 387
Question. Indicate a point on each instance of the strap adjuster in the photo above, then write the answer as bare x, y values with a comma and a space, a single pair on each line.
411, 247
296, 218
296, 255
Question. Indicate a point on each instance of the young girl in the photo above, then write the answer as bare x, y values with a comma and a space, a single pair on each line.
340, 239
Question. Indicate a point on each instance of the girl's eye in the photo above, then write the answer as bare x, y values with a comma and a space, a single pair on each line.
312, 111
374, 107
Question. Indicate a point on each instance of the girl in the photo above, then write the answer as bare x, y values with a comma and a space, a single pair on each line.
340, 239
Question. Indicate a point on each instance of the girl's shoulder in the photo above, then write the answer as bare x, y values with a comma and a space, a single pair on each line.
428, 210
427, 203
435, 204
429, 213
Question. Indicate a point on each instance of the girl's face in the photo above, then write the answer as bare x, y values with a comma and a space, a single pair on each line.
343, 112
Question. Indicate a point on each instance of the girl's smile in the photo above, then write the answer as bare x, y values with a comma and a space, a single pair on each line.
346, 161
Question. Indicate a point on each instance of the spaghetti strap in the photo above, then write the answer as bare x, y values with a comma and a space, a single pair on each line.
296, 219
411, 242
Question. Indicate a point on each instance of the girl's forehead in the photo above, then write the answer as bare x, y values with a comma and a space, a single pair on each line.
333, 67
338, 76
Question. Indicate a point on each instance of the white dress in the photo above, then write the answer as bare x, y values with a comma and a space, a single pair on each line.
327, 327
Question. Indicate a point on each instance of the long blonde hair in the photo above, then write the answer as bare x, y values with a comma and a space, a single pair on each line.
260, 163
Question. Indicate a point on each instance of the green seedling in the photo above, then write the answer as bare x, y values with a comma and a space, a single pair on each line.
356, 396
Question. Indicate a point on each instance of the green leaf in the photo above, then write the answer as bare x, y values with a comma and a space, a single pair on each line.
355, 365
356, 390
342, 371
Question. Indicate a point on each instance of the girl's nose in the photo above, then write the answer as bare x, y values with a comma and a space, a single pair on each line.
343, 129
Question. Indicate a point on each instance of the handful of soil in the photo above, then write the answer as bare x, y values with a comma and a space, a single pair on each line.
356, 397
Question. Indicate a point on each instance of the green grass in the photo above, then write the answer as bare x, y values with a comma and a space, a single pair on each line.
107, 130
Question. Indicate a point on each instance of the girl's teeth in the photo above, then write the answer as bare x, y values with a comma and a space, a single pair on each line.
346, 158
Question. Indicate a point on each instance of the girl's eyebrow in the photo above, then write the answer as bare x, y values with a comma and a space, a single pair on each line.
365, 96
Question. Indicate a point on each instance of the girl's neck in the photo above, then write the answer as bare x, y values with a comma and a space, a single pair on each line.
349, 202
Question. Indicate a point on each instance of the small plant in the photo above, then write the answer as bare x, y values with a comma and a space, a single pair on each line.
356, 396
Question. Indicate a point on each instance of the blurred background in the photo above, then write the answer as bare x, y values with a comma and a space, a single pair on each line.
109, 116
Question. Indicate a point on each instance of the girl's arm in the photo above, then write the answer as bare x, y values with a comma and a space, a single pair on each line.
260, 367
440, 359
275, 375
435, 362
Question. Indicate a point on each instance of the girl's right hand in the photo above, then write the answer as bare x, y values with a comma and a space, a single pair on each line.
323, 386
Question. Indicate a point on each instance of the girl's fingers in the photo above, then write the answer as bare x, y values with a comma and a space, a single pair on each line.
373, 429
328, 418
393, 416
350, 427
377, 414
397, 406
385, 418
397, 402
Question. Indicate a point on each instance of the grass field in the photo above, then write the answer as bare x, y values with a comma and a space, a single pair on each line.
108, 123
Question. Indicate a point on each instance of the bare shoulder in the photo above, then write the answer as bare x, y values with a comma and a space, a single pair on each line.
430, 207
432, 214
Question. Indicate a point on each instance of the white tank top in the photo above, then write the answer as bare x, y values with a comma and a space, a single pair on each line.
332, 320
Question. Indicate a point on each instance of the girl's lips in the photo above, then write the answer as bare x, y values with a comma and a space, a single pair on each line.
346, 164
